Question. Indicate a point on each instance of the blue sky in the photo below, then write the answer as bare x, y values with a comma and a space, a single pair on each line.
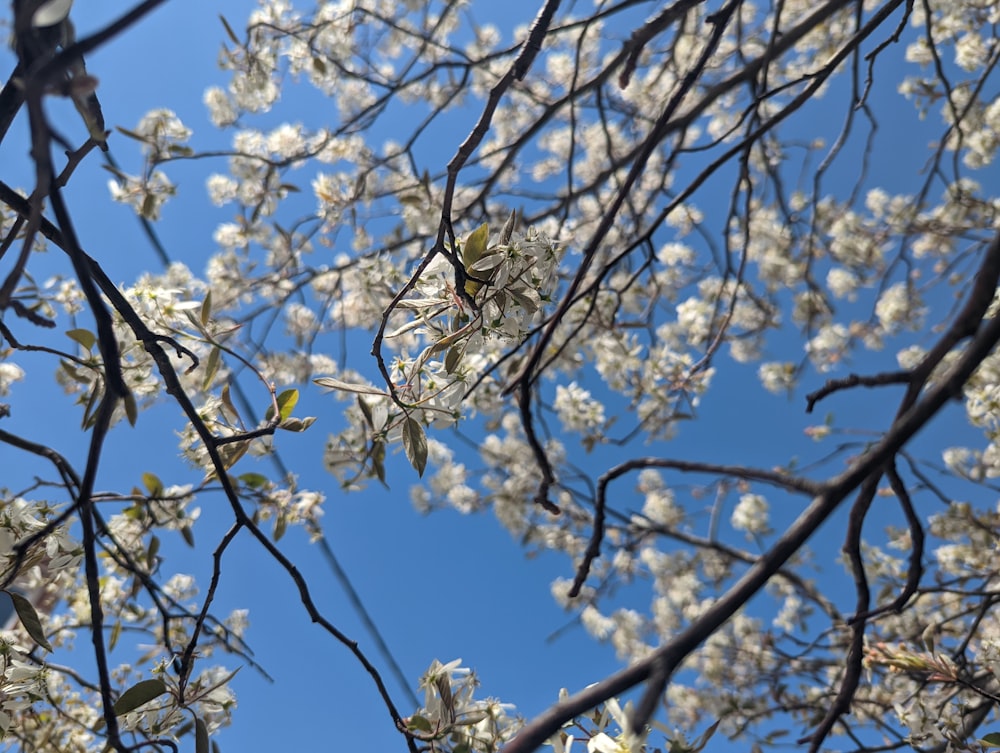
407, 568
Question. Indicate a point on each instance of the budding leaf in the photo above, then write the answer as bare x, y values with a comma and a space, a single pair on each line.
472, 251
508, 229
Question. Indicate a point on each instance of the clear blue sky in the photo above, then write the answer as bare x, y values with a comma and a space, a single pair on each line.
407, 568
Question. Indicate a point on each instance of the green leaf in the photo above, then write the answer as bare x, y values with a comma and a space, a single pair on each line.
991, 740
232, 452
378, 461
297, 424
229, 30
131, 135
154, 549
29, 619
90, 410
508, 228
419, 723
148, 209
366, 412
200, 737
472, 251
336, 384
211, 367
253, 480
131, 408
140, 693
415, 445
84, 337
486, 264
206, 308
475, 245
452, 359
286, 404
73, 373
153, 484
227, 403
702, 741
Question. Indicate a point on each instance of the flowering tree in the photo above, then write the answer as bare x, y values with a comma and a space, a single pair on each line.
647, 198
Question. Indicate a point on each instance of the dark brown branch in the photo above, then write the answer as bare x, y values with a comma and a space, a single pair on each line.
856, 380
665, 659
855, 652
744, 473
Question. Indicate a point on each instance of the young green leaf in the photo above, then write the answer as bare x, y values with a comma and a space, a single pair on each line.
508, 229
131, 408
153, 484
206, 308
227, 404
140, 693
378, 461
366, 411
211, 367
253, 480
200, 737
154, 549
84, 337
229, 30
415, 445
336, 384
286, 401
418, 724
452, 359
992, 740
29, 619
297, 424
472, 250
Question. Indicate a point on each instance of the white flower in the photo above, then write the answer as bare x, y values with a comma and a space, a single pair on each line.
751, 514
221, 109
163, 133
221, 189
778, 378
577, 409
9, 373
